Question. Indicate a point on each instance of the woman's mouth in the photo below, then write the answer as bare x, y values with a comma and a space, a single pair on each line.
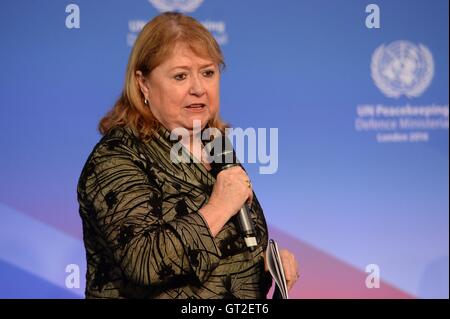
196, 107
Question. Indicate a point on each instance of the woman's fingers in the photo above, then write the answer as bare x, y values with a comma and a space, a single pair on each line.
290, 267
293, 270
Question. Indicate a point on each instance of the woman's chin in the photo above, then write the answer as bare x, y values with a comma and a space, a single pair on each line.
196, 120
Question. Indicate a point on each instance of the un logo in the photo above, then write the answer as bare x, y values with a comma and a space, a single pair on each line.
402, 68
176, 5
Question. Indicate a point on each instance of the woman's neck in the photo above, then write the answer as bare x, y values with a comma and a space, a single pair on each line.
195, 147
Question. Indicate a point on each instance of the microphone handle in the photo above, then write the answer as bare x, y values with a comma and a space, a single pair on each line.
247, 227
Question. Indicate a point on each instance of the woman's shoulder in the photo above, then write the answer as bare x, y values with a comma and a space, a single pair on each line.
122, 133
117, 140
118, 146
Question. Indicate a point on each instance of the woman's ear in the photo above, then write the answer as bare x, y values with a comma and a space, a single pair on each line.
143, 83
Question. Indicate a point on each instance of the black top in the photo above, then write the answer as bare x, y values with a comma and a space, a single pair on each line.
143, 235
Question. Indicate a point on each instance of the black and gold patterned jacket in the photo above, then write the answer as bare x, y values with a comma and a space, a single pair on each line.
143, 235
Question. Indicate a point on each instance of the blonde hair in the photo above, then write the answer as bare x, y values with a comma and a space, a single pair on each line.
153, 45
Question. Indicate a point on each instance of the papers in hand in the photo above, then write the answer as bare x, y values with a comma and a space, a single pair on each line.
276, 270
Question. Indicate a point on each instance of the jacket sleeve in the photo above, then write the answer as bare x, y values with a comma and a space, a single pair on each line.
126, 210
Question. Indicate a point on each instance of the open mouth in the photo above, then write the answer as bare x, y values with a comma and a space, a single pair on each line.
196, 106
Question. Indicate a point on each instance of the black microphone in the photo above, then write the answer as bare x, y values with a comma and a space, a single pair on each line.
223, 157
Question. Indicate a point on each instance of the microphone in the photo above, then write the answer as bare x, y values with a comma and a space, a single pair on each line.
224, 157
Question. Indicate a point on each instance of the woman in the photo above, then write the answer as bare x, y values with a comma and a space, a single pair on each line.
158, 229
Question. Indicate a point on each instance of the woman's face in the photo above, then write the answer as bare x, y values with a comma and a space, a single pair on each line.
182, 89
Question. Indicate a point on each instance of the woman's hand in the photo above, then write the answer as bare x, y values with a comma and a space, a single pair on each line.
290, 267
231, 190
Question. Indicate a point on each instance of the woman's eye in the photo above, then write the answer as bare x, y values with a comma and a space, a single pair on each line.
180, 77
208, 73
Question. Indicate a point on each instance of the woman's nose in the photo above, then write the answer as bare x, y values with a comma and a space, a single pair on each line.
196, 87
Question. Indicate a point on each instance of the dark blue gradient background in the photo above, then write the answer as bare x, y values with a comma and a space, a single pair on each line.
299, 66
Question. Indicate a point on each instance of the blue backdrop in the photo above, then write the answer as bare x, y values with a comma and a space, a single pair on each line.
348, 192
